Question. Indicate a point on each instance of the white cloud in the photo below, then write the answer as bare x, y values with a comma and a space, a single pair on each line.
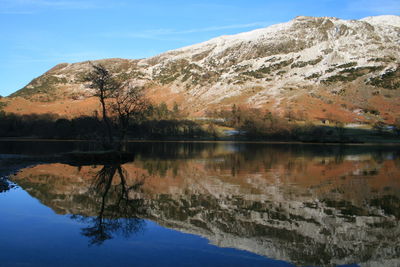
218, 28
161, 34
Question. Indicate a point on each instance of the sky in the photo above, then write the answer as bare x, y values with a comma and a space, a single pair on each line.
35, 35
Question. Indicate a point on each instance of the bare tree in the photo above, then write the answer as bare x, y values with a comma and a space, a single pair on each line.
105, 85
129, 104
121, 101
397, 126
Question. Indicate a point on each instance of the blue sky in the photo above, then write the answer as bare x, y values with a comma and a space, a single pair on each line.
35, 35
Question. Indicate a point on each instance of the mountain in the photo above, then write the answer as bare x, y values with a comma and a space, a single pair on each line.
314, 67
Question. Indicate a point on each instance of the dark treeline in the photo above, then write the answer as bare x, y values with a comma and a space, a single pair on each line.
161, 123
259, 124
158, 123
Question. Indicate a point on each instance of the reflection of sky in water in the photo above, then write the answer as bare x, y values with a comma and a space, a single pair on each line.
231, 147
358, 157
32, 234
390, 156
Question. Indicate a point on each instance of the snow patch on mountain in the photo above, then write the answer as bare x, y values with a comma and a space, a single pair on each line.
391, 20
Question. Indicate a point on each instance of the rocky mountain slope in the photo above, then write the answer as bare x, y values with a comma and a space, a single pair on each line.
313, 67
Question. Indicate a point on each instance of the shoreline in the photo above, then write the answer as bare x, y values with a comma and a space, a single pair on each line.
382, 143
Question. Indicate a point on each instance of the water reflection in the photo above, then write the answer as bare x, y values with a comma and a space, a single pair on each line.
320, 206
4, 185
118, 214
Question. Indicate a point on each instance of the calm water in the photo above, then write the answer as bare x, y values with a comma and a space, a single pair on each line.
201, 204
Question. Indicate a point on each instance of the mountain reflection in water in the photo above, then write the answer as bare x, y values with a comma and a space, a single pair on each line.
324, 205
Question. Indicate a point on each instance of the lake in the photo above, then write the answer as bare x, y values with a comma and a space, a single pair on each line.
201, 204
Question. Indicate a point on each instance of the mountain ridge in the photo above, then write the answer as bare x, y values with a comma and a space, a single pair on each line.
315, 67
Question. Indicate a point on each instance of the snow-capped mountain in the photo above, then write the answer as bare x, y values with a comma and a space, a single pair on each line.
319, 67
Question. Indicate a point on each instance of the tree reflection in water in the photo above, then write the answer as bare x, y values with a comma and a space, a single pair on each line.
4, 185
118, 213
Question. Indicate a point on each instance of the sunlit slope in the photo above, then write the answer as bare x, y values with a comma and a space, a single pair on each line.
313, 67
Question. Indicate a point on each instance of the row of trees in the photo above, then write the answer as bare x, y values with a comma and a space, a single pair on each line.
252, 123
51, 126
